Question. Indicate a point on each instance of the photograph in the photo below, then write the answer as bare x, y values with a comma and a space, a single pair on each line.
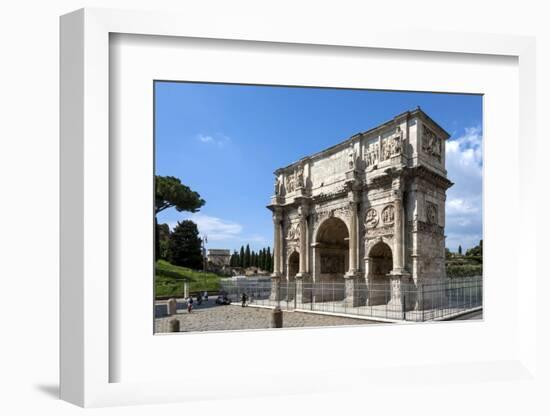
303, 207
277, 207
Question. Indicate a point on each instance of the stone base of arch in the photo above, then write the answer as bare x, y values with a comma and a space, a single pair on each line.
275, 288
355, 294
401, 295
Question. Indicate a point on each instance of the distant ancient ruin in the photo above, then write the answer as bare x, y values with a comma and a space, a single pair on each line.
217, 260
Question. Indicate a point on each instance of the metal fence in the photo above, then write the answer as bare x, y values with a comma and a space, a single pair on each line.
412, 302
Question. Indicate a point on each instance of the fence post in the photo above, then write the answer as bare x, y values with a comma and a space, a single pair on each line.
277, 318
404, 308
174, 325
422, 298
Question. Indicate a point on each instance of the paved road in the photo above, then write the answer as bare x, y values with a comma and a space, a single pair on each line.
469, 316
211, 317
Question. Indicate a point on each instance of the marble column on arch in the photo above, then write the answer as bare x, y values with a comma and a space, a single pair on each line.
399, 277
352, 275
277, 253
302, 278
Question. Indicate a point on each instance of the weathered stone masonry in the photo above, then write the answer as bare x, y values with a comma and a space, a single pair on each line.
368, 212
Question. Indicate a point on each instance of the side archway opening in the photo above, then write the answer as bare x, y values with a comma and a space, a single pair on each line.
380, 264
293, 265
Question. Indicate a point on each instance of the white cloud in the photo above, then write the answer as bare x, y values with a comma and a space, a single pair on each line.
465, 153
215, 228
464, 162
205, 139
220, 140
460, 206
227, 234
259, 239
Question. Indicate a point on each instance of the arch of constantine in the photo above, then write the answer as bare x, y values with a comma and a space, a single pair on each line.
368, 212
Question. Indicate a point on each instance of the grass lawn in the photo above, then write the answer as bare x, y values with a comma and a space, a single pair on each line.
169, 279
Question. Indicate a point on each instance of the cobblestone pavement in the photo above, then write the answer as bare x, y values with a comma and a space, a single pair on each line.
231, 317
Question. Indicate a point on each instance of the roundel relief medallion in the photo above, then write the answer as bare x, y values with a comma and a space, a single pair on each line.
431, 213
372, 218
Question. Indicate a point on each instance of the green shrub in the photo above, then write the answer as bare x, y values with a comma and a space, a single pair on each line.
465, 270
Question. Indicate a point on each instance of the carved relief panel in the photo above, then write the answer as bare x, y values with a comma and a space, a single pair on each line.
293, 233
431, 144
319, 214
294, 180
392, 145
388, 215
372, 154
290, 183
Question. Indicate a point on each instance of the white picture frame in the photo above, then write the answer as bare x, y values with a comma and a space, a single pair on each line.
88, 296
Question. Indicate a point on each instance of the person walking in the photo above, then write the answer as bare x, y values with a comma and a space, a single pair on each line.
206, 295
199, 299
244, 299
190, 304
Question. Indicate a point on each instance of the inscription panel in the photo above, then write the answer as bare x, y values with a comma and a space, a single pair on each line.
327, 170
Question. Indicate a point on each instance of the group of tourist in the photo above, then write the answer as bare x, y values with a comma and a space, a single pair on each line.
200, 297
222, 299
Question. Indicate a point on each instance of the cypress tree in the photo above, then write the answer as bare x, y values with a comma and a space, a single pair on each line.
460, 250
268, 261
247, 256
261, 259
241, 257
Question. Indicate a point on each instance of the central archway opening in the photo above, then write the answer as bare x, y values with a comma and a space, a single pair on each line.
332, 244
380, 264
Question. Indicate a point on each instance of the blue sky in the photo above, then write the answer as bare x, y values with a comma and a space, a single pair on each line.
225, 142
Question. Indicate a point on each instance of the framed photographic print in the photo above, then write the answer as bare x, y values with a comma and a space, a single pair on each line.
300, 203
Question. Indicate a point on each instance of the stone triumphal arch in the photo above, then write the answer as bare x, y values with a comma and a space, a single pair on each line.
368, 211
